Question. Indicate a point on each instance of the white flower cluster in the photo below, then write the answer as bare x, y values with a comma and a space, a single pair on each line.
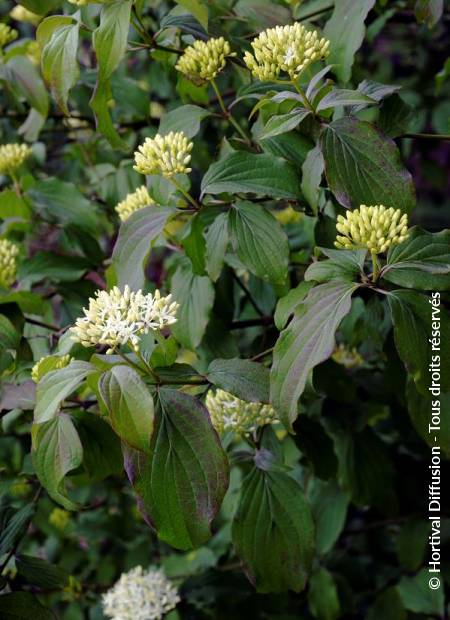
140, 595
115, 318
230, 413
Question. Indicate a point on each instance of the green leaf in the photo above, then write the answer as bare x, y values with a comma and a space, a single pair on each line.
418, 597
415, 320
183, 481
186, 118
13, 206
194, 243
63, 202
23, 606
56, 386
48, 26
110, 38
329, 505
419, 409
273, 532
9, 336
292, 146
245, 379
364, 167
421, 262
366, 470
25, 77
345, 31
59, 63
256, 174
195, 294
260, 242
40, 572
57, 450
396, 117
287, 304
216, 246
40, 7
102, 453
52, 266
342, 97
340, 265
282, 123
99, 103
28, 302
129, 404
412, 542
388, 605
307, 341
134, 243
14, 528
312, 171
198, 9
429, 12
323, 596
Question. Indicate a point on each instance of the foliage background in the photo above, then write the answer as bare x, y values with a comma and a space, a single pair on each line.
372, 530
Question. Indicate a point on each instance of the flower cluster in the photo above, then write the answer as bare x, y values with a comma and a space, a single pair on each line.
288, 49
230, 413
12, 157
59, 518
21, 14
203, 60
133, 202
349, 358
8, 265
140, 595
48, 363
376, 228
166, 155
7, 35
115, 318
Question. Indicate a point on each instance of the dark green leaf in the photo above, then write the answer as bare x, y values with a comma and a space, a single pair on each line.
364, 167
23, 606
312, 171
342, 97
57, 450
59, 63
134, 244
388, 605
273, 532
110, 38
323, 596
185, 118
56, 385
256, 174
395, 116
9, 336
245, 379
25, 77
130, 406
420, 409
422, 261
183, 481
195, 294
52, 266
417, 596
99, 103
329, 505
41, 573
415, 319
282, 123
340, 265
307, 341
345, 31
14, 528
216, 246
260, 241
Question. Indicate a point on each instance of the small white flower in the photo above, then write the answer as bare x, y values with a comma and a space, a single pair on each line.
140, 595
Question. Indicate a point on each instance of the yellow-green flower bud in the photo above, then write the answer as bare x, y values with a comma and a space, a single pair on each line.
285, 49
376, 228
7, 34
34, 52
133, 202
288, 215
229, 413
203, 60
59, 518
20, 488
48, 363
21, 14
12, 157
349, 358
166, 155
8, 264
